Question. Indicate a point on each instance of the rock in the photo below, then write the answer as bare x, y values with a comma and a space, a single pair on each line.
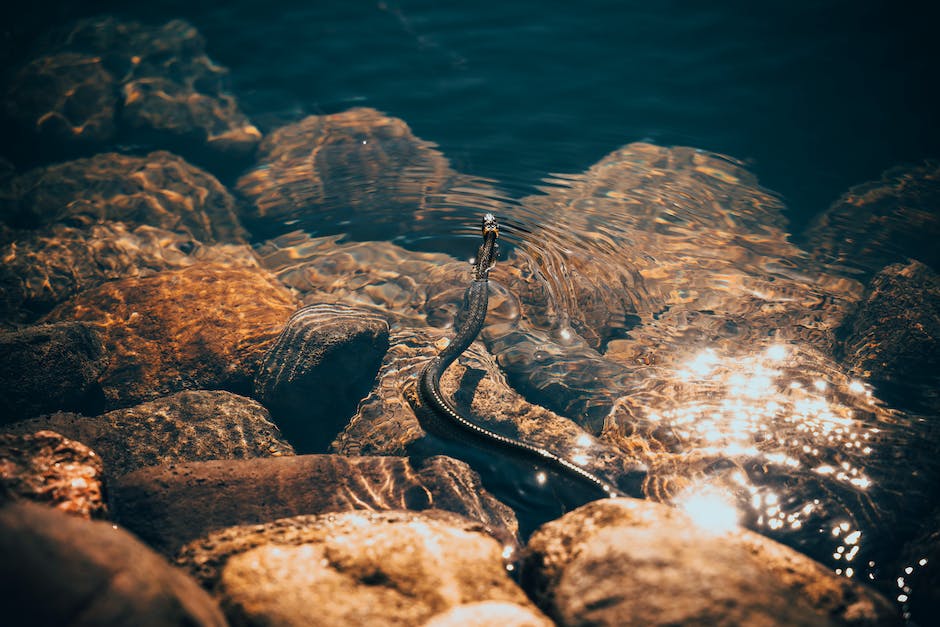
204, 326
894, 337
60, 570
325, 166
44, 268
353, 568
405, 285
49, 367
881, 222
48, 468
188, 426
158, 190
65, 98
632, 562
156, 503
318, 370
489, 614
152, 84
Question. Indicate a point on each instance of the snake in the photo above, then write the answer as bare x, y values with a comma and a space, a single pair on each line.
476, 298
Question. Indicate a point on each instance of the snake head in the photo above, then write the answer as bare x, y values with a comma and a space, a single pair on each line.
490, 225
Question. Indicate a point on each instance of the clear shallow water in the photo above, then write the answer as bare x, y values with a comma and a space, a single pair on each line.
724, 338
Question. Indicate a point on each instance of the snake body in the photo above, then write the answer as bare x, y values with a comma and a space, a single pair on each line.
475, 304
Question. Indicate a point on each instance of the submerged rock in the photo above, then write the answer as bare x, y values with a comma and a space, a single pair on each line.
151, 85
47, 468
326, 166
43, 268
355, 568
318, 370
188, 426
50, 367
204, 326
64, 99
158, 190
631, 562
60, 570
881, 222
489, 614
894, 337
156, 503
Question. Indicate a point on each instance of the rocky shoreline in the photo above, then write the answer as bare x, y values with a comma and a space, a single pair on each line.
204, 427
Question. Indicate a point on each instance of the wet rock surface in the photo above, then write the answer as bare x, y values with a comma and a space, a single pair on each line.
49, 367
894, 337
159, 190
108, 79
205, 326
384, 568
47, 468
188, 426
61, 570
624, 561
489, 614
43, 268
881, 222
319, 163
157, 503
318, 369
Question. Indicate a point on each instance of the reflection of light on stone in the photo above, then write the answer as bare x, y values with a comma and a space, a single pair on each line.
820, 385
856, 387
703, 363
580, 459
508, 551
776, 352
710, 509
584, 440
541, 477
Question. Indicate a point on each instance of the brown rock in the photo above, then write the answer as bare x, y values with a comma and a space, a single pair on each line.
188, 426
894, 337
159, 190
67, 98
881, 222
320, 367
205, 326
358, 160
157, 503
60, 570
354, 568
631, 562
49, 367
43, 268
50, 469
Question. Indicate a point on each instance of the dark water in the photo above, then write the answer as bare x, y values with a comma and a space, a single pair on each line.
811, 97
815, 96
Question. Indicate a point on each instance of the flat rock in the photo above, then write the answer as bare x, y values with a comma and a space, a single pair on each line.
188, 426
45, 267
159, 189
320, 367
61, 570
894, 337
204, 326
353, 568
157, 503
632, 562
48, 468
50, 367
881, 222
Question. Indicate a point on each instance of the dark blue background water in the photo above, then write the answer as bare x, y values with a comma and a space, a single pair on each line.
815, 96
